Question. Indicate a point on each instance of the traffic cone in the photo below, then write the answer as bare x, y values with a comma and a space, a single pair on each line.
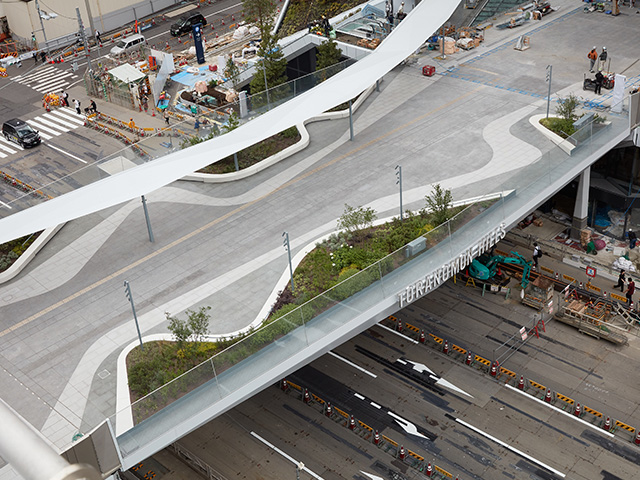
75, 52
607, 424
212, 27
494, 370
328, 410
429, 471
179, 41
153, 112
233, 18
556, 275
399, 326
167, 46
352, 423
469, 358
284, 385
578, 410
401, 453
422, 337
605, 294
637, 440
580, 285
222, 22
521, 382
445, 348
547, 397
376, 438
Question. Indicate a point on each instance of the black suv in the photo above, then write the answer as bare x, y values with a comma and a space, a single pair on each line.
21, 132
185, 23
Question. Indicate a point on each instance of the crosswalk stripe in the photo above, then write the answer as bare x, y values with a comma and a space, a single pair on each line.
26, 78
73, 113
7, 149
64, 121
46, 122
38, 76
56, 77
62, 114
7, 142
2, 155
51, 86
42, 127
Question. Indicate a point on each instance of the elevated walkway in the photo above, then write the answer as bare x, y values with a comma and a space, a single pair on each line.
349, 308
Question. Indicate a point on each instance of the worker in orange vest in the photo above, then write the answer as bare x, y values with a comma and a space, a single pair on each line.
592, 56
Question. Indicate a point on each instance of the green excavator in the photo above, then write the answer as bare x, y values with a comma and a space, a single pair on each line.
486, 267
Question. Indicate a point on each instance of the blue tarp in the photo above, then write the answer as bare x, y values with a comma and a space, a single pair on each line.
190, 79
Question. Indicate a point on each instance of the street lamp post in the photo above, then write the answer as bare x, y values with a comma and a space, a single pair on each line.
44, 34
287, 246
299, 468
127, 292
399, 182
549, 69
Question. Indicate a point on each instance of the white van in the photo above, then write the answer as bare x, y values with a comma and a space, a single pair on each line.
127, 43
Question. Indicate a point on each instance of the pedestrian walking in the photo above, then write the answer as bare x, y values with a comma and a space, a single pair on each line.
400, 13
43, 56
599, 82
603, 58
631, 288
65, 98
537, 253
593, 57
76, 103
621, 279
98, 39
145, 103
165, 115
197, 125
35, 57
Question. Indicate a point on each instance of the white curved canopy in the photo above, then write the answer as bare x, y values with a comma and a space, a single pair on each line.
421, 23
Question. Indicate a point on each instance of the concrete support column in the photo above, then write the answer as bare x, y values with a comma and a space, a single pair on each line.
582, 204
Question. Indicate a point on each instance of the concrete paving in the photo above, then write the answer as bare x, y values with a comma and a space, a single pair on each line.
220, 245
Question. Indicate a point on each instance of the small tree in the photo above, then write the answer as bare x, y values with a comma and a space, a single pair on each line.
439, 202
231, 71
232, 124
198, 323
354, 220
179, 328
566, 108
328, 53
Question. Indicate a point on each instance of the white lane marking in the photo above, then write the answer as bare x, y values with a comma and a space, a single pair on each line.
590, 425
72, 112
7, 149
3, 155
40, 74
14, 145
51, 87
59, 120
8, 206
421, 367
373, 404
61, 114
509, 447
397, 333
447, 384
357, 395
66, 153
401, 361
407, 426
371, 476
45, 80
48, 123
357, 367
41, 127
291, 459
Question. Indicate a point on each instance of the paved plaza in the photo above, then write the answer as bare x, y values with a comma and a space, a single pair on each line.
66, 320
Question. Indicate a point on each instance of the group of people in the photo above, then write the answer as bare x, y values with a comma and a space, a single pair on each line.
400, 14
92, 108
631, 286
600, 59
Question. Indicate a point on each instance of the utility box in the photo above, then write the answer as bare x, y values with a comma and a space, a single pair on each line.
415, 246
428, 70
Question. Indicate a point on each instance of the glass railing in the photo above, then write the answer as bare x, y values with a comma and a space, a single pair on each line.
155, 143
307, 328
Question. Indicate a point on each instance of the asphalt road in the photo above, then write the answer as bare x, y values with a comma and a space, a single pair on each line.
449, 414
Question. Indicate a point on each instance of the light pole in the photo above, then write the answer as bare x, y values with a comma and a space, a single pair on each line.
127, 292
549, 68
287, 247
399, 182
44, 34
299, 468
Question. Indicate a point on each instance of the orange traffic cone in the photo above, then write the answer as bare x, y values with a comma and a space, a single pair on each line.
401, 453
547, 397
521, 382
607, 424
578, 410
352, 423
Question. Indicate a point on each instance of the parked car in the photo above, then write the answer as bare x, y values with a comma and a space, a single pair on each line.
126, 43
20, 132
185, 24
